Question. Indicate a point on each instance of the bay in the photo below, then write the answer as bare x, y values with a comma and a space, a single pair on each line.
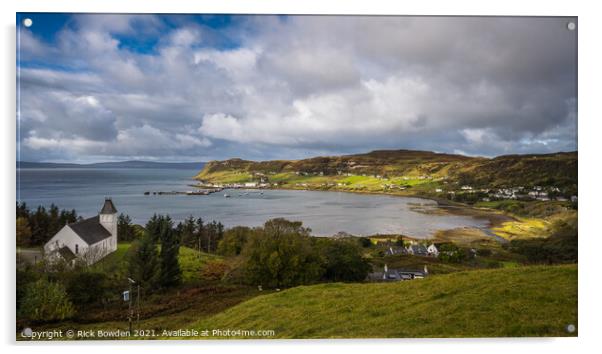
326, 213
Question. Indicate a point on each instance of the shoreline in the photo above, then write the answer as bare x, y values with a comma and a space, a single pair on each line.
493, 217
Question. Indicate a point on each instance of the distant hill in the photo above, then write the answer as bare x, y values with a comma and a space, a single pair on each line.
512, 302
557, 169
122, 164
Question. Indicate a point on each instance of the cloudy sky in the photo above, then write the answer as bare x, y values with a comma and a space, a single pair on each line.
195, 88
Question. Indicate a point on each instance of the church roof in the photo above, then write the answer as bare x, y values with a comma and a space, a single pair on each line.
90, 230
108, 207
66, 253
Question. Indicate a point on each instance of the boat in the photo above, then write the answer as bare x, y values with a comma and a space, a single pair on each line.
226, 195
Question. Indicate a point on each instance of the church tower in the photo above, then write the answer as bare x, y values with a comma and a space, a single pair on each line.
108, 219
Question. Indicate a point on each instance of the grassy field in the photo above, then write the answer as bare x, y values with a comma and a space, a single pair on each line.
191, 261
523, 228
508, 302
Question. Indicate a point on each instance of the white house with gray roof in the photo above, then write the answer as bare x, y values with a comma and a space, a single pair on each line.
89, 240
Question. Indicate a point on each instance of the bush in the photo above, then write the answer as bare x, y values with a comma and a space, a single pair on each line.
343, 260
144, 263
24, 278
88, 287
365, 242
448, 252
234, 241
45, 301
281, 255
215, 270
560, 247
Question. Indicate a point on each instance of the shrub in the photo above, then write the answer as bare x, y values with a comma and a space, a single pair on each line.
281, 255
144, 263
234, 241
87, 287
45, 301
448, 252
215, 270
560, 247
343, 261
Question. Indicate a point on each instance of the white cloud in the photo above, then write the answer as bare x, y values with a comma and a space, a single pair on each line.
323, 84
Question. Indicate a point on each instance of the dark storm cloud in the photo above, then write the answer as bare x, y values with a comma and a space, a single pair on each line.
266, 87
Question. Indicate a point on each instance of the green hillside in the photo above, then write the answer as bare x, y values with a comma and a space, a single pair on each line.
394, 170
523, 301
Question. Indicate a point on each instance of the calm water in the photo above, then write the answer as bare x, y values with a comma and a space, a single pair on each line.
326, 213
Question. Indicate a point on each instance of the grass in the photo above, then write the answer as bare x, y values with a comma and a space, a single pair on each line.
191, 262
508, 302
116, 262
522, 228
227, 176
366, 183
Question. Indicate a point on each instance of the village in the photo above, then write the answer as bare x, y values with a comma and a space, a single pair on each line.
346, 181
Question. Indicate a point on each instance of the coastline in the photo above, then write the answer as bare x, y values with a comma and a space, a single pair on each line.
494, 218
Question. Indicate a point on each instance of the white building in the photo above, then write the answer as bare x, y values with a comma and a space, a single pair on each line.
89, 240
432, 250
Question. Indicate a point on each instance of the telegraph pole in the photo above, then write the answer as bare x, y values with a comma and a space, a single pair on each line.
130, 310
138, 308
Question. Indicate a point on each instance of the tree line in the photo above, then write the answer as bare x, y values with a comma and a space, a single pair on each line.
36, 227
282, 253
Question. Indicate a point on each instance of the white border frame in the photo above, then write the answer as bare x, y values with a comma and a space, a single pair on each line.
589, 146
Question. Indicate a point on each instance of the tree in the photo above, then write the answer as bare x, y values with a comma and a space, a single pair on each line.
87, 287
365, 242
170, 273
39, 226
187, 231
22, 210
144, 263
23, 232
54, 224
200, 231
67, 217
449, 252
125, 229
343, 260
233, 241
46, 301
210, 235
44, 223
399, 242
281, 255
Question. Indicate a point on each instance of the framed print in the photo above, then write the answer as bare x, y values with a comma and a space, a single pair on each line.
224, 176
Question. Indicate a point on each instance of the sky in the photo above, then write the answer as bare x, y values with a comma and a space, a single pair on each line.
177, 88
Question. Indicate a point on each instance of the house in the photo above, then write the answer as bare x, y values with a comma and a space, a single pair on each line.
89, 240
399, 274
432, 250
417, 250
393, 250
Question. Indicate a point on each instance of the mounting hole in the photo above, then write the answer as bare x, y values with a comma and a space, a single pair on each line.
27, 22
571, 328
571, 26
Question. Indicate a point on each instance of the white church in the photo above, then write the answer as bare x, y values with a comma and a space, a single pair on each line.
88, 240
